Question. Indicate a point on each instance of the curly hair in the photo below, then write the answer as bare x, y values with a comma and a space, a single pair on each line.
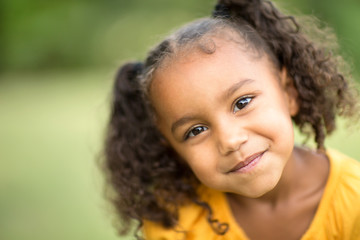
140, 165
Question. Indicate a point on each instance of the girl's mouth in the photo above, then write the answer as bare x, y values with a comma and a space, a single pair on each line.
247, 164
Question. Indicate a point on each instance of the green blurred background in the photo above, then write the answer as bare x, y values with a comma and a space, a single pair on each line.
57, 60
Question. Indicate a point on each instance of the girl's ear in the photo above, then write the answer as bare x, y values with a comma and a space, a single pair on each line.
291, 92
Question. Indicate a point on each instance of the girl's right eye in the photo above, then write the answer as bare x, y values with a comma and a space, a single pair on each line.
195, 131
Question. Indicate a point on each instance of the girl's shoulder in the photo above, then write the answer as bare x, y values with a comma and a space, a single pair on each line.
191, 224
343, 185
338, 214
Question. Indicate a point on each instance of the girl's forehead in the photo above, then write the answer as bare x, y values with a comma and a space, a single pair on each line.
193, 68
227, 52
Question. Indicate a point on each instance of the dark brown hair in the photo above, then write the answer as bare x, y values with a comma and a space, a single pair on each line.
148, 181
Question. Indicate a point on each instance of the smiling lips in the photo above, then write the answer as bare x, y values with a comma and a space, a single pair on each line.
248, 163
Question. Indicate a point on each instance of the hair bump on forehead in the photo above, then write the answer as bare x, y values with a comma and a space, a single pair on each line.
207, 46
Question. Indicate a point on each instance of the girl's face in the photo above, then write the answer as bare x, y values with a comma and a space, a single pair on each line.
228, 116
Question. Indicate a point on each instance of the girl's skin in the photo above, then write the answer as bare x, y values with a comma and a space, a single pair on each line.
228, 116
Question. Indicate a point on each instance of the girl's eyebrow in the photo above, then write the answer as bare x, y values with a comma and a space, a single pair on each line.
228, 92
233, 88
181, 122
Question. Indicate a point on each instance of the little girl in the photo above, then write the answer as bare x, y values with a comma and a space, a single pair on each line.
200, 143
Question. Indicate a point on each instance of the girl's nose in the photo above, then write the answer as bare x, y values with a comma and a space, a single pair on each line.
230, 137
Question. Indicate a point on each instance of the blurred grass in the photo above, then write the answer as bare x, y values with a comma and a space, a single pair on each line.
37, 34
71, 34
51, 130
50, 127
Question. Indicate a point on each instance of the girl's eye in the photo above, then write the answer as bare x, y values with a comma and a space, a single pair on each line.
242, 102
195, 131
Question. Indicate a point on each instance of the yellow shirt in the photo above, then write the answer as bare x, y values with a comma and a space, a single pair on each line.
337, 217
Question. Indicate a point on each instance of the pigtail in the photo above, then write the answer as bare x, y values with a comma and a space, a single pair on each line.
124, 129
137, 160
322, 91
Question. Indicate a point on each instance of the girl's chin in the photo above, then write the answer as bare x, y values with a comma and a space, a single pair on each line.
253, 194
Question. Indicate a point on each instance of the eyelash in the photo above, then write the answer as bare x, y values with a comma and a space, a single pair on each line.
201, 129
